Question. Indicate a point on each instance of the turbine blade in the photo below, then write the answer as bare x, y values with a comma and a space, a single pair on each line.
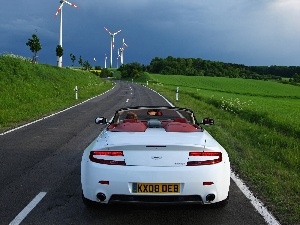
107, 30
71, 4
124, 44
61, 5
117, 32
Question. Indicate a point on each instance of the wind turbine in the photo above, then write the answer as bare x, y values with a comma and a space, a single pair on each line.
122, 51
59, 59
118, 58
112, 43
105, 61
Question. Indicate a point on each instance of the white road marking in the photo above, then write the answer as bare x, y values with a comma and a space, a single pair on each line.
22, 215
127, 100
258, 205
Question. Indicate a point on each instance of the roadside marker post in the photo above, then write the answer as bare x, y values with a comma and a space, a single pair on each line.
177, 90
76, 92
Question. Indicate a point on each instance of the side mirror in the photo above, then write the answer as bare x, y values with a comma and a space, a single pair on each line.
100, 120
207, 121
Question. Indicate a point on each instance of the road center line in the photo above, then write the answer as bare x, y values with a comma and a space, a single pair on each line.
21, 216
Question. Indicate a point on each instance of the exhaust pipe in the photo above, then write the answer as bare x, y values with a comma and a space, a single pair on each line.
101, 196
210, 197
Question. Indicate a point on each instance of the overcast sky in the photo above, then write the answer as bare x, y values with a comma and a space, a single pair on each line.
249, 32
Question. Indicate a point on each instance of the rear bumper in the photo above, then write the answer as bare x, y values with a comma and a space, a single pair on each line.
156, 199
121, 179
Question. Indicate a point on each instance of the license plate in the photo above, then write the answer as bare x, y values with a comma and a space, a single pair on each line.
157, 188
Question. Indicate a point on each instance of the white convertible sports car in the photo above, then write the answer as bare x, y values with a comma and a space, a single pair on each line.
155, 155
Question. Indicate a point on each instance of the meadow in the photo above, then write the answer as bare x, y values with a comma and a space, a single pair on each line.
258, 122
29, 91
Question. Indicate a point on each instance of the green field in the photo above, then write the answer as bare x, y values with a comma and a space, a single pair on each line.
258, 122
29, 91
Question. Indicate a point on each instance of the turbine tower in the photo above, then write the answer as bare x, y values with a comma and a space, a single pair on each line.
59, 59
105, 61
112, 43
119, 56
124, 45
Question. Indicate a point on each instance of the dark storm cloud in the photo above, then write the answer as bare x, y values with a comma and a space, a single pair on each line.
249, 32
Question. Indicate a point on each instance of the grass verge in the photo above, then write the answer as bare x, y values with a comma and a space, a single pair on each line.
263, 148
30, 91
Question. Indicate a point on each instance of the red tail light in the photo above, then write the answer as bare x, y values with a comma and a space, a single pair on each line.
108, 160
205, 162
108, 153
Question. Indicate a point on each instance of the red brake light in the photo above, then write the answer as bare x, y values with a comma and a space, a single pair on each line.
108, 153
107, 161
205, 162
205, 153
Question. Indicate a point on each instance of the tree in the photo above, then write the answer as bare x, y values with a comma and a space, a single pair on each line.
80, 61
296, 78
105, 73
35, 46
59, 51
86, 65
131, 70
73, 58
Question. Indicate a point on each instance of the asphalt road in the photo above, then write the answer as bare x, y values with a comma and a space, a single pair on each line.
44, 158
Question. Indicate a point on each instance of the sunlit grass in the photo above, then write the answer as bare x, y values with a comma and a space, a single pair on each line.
29, 91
